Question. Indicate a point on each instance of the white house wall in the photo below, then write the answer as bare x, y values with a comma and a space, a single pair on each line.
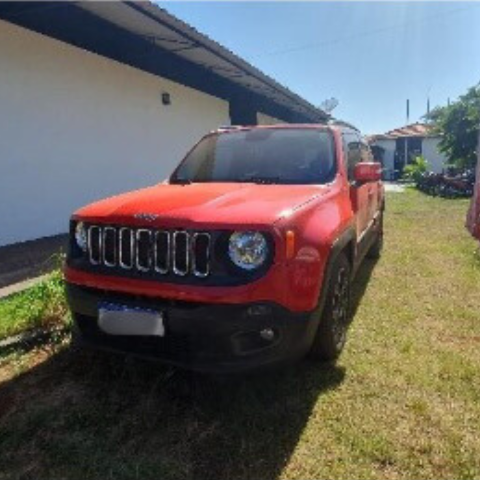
264, 119
430, 151
436, 160
76, 127
389, 154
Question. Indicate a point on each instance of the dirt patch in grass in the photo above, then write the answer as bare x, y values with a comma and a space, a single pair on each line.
403, 401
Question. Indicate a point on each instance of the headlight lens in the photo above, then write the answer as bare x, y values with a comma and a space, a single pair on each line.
81, 236
248, 250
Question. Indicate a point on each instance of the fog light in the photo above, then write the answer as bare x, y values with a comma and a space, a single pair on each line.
267, 334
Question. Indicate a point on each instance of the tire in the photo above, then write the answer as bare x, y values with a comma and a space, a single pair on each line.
375, 251
331, 333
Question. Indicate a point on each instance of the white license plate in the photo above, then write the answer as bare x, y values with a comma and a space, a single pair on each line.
123, 320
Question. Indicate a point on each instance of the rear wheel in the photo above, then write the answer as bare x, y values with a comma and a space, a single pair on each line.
332, 330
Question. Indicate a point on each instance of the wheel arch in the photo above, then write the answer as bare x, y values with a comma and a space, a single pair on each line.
344, 244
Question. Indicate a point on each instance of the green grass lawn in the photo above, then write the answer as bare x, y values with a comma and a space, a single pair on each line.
403, 402
43, 305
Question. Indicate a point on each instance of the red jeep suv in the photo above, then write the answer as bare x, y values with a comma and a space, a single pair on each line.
242, 259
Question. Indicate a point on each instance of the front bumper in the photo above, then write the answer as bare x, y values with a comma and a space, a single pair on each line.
203, 337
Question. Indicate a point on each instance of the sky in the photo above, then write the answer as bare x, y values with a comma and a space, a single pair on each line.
370, 56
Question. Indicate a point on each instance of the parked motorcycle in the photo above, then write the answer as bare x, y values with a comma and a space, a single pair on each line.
449, 185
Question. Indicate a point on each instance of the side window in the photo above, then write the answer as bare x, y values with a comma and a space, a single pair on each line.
353, 152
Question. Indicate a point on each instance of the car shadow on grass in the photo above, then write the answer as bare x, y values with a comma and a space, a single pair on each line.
360, 283
101, 416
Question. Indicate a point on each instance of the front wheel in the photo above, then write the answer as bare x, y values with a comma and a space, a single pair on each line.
332, 330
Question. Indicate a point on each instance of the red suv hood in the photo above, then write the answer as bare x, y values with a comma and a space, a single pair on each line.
205, 203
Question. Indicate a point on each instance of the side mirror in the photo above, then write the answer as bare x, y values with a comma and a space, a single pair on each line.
367, 172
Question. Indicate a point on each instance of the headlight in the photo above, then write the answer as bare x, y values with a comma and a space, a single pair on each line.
81, 236
248, 250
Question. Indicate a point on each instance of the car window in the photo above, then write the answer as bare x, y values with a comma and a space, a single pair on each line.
286, 156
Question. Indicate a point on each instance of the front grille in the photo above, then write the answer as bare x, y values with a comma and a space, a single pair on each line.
147, 250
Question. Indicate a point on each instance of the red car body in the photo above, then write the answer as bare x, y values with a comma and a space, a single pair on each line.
308, 225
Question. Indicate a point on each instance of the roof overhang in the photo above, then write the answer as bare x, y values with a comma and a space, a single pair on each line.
146, 37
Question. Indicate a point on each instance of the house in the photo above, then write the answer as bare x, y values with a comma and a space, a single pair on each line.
398, 147
101, 97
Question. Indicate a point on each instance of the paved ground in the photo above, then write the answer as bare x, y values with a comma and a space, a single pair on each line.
394, 187
20, 286
28, 260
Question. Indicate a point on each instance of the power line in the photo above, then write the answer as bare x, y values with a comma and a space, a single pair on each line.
365, 33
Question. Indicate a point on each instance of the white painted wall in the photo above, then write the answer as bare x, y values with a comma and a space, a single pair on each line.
388, 156
264, 119
430, 151
76, 127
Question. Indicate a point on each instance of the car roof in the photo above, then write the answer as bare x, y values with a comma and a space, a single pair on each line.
278, 126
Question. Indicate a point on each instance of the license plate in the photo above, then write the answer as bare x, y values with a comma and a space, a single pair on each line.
123, 320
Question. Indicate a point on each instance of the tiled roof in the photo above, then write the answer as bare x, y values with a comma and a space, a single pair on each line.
412, 130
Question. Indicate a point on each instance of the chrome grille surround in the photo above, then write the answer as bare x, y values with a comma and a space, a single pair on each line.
166, 255
186, 258
202, 273
138, 243
148, 250
94, 259
121, 261
109, 231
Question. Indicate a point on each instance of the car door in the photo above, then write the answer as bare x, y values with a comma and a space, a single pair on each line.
359, 193
372, 188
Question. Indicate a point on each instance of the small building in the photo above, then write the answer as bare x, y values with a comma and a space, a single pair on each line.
97, 98
399, 147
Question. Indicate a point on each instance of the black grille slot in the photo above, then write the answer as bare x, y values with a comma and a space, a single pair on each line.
95, 245
144, 250
201, 254
126, 247
162, 252
180, 253
110, 248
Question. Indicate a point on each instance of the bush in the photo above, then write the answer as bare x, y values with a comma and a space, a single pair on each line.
416, 169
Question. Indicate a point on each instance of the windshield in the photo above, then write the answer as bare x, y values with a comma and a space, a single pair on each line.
296, 156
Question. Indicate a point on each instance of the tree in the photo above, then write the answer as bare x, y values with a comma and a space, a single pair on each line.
458, 124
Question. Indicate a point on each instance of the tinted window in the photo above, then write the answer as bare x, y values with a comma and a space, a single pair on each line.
287, 156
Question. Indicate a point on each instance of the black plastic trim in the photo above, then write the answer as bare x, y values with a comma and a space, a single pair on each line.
199, 336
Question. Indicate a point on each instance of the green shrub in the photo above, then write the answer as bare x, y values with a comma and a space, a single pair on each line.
416, 169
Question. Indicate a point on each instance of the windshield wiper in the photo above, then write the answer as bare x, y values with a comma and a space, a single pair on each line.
261, 180
180, 181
